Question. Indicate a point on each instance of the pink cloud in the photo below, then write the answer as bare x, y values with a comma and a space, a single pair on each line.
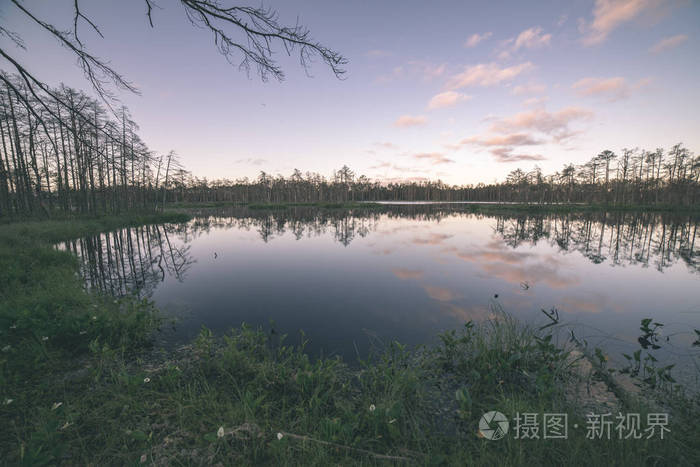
531, 39
405, 274
474, 39
668, 43
585, 304
434, 158
447, 99
516, 267
517, 139
487, 74
610, 14
432, 239
440, 293
612, 89
555, 124
507, 135
405, 121
505, 154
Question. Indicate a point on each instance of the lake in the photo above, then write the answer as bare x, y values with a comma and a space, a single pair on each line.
354, 280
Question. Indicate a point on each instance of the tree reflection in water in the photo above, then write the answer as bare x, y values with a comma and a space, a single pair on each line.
135, 260
131, 260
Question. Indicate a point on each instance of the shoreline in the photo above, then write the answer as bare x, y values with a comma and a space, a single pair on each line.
82, 387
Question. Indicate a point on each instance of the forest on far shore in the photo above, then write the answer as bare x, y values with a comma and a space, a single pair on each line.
65, 152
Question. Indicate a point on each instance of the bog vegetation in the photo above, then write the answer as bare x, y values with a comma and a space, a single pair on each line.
80, 386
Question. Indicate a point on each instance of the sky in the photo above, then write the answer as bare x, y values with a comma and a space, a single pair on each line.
459, 91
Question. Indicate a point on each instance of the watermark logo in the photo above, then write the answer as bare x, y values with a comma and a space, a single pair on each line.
493, 425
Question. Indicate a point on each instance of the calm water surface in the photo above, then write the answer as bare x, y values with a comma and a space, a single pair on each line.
356, 280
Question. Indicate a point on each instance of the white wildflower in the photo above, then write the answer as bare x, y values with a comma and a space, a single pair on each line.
94, 318
220, 432
6, 348
147, 380
372, 408
44, 338
82, 333
280, 436
56, 405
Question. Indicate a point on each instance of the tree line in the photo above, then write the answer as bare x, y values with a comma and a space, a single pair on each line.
63, 151
633, 177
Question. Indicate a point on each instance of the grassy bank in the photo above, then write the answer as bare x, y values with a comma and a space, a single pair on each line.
43, 302
79, 386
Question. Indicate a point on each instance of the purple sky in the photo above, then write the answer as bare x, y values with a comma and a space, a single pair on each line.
462, 91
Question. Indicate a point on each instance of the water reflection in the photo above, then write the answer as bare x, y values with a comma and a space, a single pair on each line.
351, 279
132, 260
135, 260
619, 238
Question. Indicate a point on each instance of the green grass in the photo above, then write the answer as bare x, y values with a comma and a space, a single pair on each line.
44, 307
92, 393
46, 316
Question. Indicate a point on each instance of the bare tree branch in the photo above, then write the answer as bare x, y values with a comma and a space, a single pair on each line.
97, 71
13, 36
76, 15
149, 9
261, 29
30, 82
